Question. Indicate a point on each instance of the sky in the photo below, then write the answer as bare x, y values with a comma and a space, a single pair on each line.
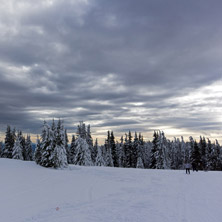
117, 65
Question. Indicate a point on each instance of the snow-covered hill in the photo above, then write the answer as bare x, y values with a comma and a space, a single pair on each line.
100, 194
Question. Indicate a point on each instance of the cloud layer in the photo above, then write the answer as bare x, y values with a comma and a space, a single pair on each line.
120, 65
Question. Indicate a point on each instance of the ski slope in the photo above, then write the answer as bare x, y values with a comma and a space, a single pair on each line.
100, 194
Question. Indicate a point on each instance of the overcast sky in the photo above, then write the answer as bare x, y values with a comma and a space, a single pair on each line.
115, 64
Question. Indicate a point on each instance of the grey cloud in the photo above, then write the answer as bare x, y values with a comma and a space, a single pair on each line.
105, 55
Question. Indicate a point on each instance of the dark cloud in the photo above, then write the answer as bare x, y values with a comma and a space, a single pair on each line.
112, 63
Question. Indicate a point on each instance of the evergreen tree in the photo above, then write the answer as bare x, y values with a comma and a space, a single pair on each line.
17, 149
65, 142
203, 149
128, 148
38, 151
72, 152
153, 163
9, 143
83, 154
114, 150
47, 145
108, 154
139, 163
59, 155
28, 149
196, 157
135, 150
99, 158
209, 155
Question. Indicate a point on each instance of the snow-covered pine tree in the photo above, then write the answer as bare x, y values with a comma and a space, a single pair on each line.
153, 159
9, 143
159, 152
139, 163
135, 150
47, 144
81, 130
128, 147
89, 140
28, 149
113, 150
72, 150
196, 156
94, 151
203, 150
38, 151
83, 154
65, 142
209, 156
218, 156
122, 156
17, 149
99, 157
108, 154
59, 155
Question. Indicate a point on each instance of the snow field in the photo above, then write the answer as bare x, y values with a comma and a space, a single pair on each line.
91, 194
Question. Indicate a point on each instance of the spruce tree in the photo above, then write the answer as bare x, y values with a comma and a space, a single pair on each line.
83, 154
153, 161
72, 151
139, 163
9, 143
38, 151
47, 145
59, 155
203, 149
108, 153
113, 150
99, 158
28, 148
17, 149
135, 150
196, 156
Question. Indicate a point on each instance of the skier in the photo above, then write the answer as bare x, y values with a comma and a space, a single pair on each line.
187, 166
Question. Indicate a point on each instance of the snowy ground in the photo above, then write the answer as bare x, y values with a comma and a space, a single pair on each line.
97, 194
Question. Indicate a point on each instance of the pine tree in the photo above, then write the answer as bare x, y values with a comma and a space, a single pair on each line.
196, 157
99, 158
47, 145
128, 148
203, 149
28, 149
72, 151
108, 154
9, 143
65, 142
17, 149
59, 155
153, 163
83, 155
139, 163
38, 151
135, 150
114, 150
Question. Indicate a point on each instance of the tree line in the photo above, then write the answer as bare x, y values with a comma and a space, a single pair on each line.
53, 149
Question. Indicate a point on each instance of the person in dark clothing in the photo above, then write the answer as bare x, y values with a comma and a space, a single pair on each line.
187, 166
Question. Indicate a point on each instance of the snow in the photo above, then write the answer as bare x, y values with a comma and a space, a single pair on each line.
91, 194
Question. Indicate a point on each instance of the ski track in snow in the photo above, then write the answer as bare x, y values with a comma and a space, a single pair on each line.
92, 194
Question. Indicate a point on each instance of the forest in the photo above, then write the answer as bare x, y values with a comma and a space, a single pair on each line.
52, 149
